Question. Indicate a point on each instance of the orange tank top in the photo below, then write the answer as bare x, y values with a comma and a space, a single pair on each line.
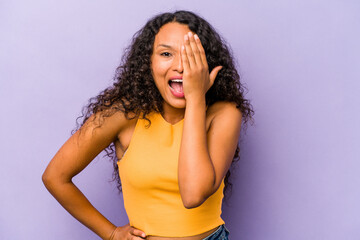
149, 177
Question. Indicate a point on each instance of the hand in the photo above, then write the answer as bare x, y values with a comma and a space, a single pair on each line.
127, 233
196, 78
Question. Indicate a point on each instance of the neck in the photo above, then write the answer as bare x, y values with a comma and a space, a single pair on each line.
173, 115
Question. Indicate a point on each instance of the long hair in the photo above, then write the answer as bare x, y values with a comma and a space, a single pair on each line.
134, 91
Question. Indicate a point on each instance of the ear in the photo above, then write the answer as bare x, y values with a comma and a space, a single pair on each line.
213, 74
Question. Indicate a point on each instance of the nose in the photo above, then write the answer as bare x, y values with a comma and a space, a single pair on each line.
177, 64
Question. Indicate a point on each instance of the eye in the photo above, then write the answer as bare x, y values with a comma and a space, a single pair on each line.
166, 54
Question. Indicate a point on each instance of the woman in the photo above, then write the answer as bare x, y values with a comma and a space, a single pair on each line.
173, 117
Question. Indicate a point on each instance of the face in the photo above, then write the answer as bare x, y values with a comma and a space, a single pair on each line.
166, 65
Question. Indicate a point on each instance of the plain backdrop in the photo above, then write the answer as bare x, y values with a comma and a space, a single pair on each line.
298, 177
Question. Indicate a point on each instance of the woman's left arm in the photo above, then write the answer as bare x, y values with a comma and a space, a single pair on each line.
205, 157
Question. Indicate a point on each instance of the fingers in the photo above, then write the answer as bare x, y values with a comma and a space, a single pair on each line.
213, 74
134, 238
193, 52
201, 50
189, 54
195, 49
195, 64
127, 232
184, 59
137, 234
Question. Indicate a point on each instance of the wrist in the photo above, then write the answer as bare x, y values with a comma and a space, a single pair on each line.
113, 233
195, 100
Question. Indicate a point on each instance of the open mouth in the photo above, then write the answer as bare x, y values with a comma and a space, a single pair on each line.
176, 85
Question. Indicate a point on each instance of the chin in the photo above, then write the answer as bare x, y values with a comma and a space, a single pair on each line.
176, 103
179, 104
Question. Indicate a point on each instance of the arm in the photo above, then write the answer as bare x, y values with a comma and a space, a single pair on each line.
77, 152
204, 157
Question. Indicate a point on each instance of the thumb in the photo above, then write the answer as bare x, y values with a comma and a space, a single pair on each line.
213, 74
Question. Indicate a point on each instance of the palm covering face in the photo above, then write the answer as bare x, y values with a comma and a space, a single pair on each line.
196, 78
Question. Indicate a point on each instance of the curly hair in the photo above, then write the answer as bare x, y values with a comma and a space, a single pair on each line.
134, 91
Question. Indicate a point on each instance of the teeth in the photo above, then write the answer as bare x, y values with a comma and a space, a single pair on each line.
177, 80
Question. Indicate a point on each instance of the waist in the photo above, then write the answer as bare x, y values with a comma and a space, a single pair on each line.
195, 237
177, 226
167, 217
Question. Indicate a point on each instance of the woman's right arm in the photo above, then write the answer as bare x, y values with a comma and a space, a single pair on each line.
77, 152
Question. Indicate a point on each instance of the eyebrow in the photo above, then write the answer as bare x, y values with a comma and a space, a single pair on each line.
164, 45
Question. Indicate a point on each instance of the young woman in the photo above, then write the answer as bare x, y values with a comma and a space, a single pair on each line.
173, 117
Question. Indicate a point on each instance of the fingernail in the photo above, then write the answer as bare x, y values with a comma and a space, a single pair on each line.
182, 48
186, 37
190, 34
196, 37
143, 235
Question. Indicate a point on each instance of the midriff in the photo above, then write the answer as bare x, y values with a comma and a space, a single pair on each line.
196, 237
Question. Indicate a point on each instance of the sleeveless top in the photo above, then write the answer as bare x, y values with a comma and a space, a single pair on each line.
149, 176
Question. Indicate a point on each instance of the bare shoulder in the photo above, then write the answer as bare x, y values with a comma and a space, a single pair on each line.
227, 111
97, 133
112, 123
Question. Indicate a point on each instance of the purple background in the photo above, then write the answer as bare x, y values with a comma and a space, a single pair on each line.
299, 174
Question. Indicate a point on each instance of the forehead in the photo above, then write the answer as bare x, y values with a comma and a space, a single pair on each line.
171, 33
